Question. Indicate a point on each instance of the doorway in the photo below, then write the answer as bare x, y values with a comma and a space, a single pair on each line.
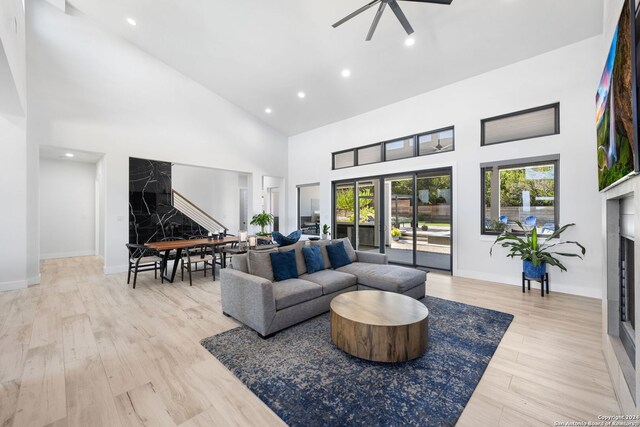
406, 216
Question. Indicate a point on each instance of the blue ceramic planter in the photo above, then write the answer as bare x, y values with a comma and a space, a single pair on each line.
533, 272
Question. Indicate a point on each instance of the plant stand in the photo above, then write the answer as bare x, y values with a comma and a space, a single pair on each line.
543, 280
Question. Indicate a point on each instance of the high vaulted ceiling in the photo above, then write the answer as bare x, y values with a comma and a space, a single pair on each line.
259, 54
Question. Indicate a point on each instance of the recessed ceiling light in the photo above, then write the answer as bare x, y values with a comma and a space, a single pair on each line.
301, 95
69, 155
132, 22
410, 41
267, 110
346, 73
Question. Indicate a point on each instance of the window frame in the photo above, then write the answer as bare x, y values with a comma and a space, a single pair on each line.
555, 106
333, 158
513, 164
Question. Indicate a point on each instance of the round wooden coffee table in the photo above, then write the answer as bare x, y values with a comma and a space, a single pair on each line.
379, 326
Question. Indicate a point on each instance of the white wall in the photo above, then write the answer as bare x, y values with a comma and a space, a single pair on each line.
569, 75
215, 191
12, 36
13, 189
92, 91
67, 208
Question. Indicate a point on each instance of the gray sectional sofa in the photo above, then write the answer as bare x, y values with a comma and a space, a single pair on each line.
250, 295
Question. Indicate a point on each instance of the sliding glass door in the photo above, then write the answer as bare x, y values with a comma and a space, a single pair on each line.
356, 217
433, 229
407, 216
399, 235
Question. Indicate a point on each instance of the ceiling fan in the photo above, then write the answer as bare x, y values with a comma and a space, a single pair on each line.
439, 147
393, 4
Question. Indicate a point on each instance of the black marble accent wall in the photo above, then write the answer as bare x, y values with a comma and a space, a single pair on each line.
152, 217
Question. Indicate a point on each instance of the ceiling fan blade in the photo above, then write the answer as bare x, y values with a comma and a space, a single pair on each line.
374, 24
432, 1
401, 16
356, 13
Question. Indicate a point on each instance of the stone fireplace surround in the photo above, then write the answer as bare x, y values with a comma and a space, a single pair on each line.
624, 376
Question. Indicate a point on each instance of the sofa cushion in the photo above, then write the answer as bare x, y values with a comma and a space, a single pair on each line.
338, 255
300, 263
348, 247
385, 277
259, 263
331, 280
284, 265
313, 259
323, 250
294, 291
239, 262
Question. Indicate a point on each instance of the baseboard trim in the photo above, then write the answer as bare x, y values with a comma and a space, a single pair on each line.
12, 286
67, 254
515, 281
35, 280
116, 269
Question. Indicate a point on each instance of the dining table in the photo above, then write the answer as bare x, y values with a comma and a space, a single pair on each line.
179, 245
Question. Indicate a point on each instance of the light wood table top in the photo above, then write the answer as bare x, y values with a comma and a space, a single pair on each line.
379, 308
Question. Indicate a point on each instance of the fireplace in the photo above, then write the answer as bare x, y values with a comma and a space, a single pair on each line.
620, 204
626, 323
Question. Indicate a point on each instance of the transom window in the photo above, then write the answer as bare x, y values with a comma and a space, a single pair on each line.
423, 144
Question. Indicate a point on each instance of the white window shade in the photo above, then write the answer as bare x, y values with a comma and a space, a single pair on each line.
343, 160
369, 155
524, 125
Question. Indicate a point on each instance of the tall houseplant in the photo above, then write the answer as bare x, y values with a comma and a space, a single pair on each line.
535, 255
262, 220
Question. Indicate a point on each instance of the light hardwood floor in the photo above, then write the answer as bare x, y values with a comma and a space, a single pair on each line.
84, 349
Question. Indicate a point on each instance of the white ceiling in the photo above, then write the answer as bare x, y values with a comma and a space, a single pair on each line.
258, 53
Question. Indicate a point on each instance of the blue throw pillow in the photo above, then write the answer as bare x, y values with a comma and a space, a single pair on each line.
284, 265
313, 258
338, 255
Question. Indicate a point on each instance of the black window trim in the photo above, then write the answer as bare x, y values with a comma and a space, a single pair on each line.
510, 164
383, 156
555, 106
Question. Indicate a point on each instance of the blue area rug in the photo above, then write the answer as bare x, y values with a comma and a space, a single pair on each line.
308, 381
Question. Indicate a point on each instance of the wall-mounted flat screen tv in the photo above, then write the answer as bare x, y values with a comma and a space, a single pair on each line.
616, 105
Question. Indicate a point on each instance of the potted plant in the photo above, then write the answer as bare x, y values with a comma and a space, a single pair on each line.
395, 234
535, 256
325, 231
262, 220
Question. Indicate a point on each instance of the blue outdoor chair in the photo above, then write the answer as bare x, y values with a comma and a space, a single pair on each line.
548, 227
504, 219
283, 240
530, 221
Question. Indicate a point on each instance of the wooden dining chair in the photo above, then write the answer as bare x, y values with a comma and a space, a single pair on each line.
194, 255
142, 258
